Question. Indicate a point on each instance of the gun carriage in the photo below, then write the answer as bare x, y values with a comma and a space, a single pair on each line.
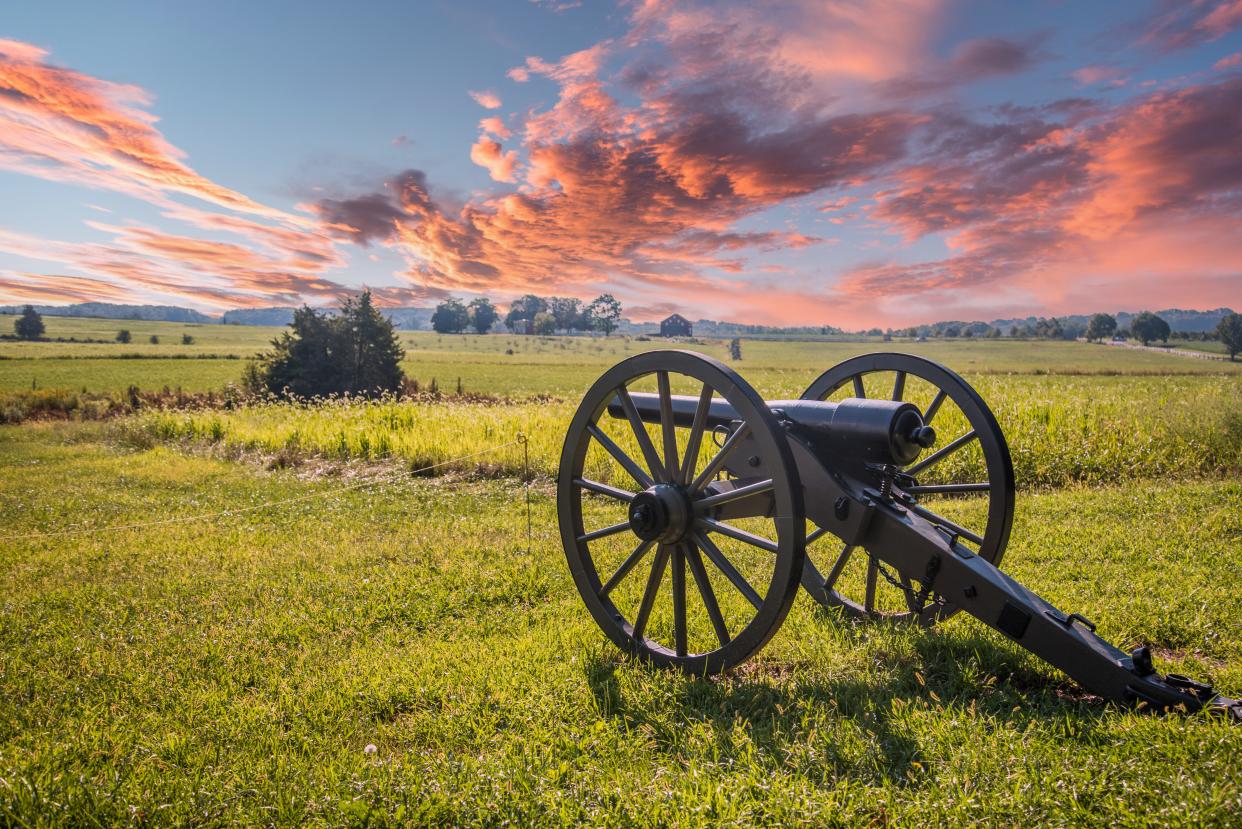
843, 492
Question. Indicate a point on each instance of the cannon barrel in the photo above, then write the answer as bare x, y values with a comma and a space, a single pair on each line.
862, 429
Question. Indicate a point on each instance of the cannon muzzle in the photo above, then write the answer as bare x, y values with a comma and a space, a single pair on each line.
858, 429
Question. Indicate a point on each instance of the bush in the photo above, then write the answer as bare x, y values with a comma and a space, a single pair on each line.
355, 352
123, 336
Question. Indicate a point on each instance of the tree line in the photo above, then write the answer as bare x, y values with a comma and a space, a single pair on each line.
529, 314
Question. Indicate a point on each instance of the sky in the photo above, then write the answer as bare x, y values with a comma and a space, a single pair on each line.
853, 163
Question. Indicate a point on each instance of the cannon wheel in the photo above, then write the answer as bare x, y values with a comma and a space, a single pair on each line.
890, 372
754, 607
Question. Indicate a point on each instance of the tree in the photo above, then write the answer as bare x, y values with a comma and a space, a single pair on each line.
524, 309
29, 326
567, 312
354, 352
1147, 327
604, 313
187, 339
1048, 328
735, 348
123, 336
154, 340
1101, 327
450, 317
544, 324
1229, 330
483, 314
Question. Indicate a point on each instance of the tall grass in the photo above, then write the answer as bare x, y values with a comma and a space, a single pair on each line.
1060, 430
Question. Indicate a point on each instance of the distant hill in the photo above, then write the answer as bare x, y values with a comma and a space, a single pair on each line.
106, 310
410, 319
1178, 320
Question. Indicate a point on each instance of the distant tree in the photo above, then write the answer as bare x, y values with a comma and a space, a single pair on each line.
187, 339
1147, 327
483, 314
952, 331
523, 310
123, 336
874, 332
450, 317
544, 323
1101, 327
605, 313
567, 312
154, 339
735, 348
1229, 330
1049, 328
354, 352
993, 332
29, 326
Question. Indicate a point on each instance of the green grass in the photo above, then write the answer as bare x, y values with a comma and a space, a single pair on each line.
1060, 429
234, 671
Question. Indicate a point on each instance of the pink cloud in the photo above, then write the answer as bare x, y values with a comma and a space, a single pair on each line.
486, 99
1228, 62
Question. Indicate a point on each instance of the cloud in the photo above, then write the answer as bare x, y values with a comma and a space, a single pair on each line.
1094, 74
491, 156
496, 127
486, 99
62, 125
1228, 62
1035, 204
1180, 24
55, 287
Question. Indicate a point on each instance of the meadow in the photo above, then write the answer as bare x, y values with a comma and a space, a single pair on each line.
387, 648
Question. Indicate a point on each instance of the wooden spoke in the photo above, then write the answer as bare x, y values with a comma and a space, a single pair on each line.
946, 523
859, 391
837, 567
640, 433
667, 426
725, 566
899, 385
605, 532
945, 489
636, 472
604, 489
626, 567
934, 406
740, 535
873, 572
653, 588
706, 593
733, 495
679, 600
941, 454
690, 463
816, 534
713, 466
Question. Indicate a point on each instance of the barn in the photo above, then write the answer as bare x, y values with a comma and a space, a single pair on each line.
676, 326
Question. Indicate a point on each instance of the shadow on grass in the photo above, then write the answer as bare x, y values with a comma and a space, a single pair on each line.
960, 673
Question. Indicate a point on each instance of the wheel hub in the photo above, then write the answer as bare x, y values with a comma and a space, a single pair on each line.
661, 513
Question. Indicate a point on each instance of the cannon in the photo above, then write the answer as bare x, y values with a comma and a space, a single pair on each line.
886, 490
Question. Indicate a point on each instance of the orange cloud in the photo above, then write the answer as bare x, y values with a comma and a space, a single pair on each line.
489, 155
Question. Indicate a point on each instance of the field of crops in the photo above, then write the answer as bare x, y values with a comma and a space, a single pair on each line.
286, 627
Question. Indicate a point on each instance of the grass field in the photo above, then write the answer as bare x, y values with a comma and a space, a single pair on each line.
537, 365
235, 670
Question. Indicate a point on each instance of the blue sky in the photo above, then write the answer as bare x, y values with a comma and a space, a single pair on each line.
984, 159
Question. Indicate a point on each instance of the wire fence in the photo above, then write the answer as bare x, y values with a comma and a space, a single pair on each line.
323, 493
